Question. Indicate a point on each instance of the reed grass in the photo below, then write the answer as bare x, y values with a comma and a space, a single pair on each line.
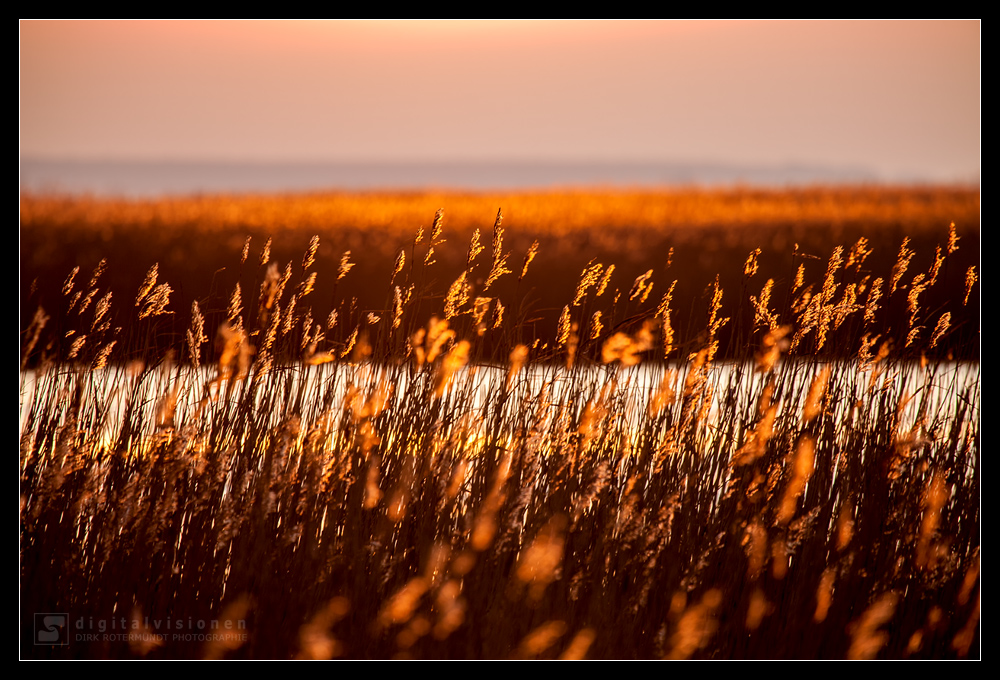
431, 478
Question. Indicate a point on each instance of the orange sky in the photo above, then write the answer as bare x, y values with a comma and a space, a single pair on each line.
901, 98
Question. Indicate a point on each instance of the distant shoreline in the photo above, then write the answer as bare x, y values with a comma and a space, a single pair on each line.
152, 179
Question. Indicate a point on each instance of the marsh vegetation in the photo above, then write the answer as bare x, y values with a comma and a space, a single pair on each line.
444, 445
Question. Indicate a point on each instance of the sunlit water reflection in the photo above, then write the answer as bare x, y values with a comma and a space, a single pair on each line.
102, 401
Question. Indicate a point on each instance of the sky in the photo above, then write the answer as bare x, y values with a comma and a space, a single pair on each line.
901, 98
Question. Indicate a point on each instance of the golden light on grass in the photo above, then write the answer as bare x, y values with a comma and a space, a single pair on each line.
143, 638
773, 345
696, 626
858, 254
940, 329
628, 349
970, 281
965, 638
454, 361
845, 527
403, 604
34, 331
666, 328
541, 639
867, 636
315, 639
902, 262
576, 650
451, 608
641, 287
824, 595
526, 477
758, 609
231, 633
458, 296
196, 335
935, 497
101, 360
814, 399
755, 543
147, 284
750, 267
804, 463
345, 265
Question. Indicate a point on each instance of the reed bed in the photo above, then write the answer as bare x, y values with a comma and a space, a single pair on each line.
299, 476
688, 236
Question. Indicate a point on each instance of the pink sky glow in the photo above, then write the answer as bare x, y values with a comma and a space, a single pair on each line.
899, 97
